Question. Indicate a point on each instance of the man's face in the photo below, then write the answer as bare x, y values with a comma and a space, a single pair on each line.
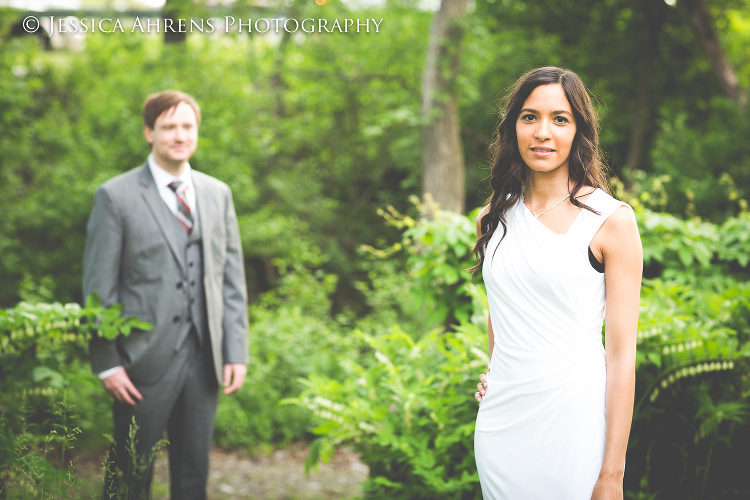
174, 136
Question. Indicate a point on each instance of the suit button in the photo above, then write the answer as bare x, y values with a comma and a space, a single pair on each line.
176, 319
192, 301
178, 285
191, 264
192, 283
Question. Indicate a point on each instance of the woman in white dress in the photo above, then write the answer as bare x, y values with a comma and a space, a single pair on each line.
555, 410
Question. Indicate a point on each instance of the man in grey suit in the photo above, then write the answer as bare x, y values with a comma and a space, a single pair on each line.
163, 241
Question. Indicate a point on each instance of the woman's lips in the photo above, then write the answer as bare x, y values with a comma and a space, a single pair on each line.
542, 152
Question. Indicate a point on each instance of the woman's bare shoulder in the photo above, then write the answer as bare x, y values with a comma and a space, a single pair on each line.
620, 233
621, 221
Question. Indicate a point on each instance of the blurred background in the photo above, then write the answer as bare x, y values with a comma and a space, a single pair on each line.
367, 334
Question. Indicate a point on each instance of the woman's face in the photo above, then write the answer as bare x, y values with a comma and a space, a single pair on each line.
545, 129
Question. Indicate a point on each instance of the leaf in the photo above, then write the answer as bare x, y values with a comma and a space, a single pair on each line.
53, 378
685, 255
655, 358
108, 332
141, 325
93, 301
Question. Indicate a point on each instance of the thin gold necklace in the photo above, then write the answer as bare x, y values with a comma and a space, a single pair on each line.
545, 211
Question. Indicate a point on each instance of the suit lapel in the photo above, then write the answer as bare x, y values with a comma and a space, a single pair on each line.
162, 215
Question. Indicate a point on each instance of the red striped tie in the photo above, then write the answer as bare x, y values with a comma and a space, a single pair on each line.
183, 209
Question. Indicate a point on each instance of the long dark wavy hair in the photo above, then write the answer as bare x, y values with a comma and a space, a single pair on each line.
508, 171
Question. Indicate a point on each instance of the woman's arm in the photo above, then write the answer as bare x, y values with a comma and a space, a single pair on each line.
620, 245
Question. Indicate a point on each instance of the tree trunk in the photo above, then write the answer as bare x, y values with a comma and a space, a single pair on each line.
640, 113
638, 128
442, 154
277, 77
703, 27
170, 17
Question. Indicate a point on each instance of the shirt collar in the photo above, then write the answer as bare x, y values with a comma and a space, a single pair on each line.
164, 178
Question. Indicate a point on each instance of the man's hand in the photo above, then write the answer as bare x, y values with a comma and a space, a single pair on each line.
234, 373
119, 386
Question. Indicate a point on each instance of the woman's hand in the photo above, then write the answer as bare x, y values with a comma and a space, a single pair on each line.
481, 387
607, 489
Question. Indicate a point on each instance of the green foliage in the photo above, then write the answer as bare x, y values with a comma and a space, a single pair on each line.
436, 260
292, 337
42, 354
403, 404
707, 162
128, 483
692, 389
40, 341
34, 462
309, 134
694, 249
686, 331
406, 409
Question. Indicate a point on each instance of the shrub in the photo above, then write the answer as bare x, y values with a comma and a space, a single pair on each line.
42, 348
406, 408
292, 336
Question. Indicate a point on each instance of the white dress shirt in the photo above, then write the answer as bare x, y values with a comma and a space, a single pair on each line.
163, 179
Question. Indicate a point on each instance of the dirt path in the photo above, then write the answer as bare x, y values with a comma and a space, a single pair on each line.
279, 475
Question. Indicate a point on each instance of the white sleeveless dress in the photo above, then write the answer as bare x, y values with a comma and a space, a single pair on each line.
541, 426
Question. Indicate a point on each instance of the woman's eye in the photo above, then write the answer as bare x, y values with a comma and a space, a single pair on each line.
561, 119
527, 118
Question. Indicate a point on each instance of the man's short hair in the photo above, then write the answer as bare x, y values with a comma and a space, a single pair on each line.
158, 103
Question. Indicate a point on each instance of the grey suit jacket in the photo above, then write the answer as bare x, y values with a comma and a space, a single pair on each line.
133, 257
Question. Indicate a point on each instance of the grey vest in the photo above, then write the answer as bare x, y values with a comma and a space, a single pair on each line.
194, 308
